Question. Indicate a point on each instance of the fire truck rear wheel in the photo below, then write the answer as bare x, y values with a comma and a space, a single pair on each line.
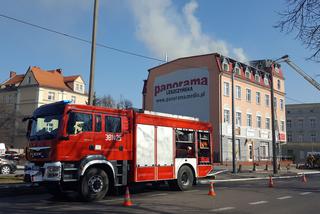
185, 178
94, 184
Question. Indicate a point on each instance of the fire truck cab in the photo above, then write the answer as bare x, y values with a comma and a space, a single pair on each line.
93, 149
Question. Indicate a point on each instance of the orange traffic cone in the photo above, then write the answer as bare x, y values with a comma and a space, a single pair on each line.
270, 182
211, 190
127, 201
304, 178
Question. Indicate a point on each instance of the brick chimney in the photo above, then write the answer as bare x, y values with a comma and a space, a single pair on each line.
12, 74
59, 70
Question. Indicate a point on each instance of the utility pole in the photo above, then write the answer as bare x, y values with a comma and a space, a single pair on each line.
274, 144
233, 125
93, 52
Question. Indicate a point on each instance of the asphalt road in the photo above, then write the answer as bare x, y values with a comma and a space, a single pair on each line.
287, 196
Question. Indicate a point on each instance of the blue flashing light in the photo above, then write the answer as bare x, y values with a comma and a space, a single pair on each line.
66, 101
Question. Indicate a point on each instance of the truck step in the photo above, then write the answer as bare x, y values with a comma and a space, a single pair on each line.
70, 169
69, 180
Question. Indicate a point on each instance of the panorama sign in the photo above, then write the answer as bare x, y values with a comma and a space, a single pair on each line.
183, 92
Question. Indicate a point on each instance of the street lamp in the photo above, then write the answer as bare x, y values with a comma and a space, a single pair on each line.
233, 125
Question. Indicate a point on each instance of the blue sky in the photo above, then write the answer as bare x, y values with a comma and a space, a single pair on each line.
240, 29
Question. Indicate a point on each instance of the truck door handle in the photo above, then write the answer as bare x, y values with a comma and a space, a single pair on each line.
91, 147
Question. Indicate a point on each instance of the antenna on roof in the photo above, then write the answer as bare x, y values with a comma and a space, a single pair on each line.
166, 59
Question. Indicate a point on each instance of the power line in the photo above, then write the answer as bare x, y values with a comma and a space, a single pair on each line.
80, 39
295, 100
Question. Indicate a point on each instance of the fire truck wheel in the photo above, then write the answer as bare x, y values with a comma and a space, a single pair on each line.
185, 178
94, 184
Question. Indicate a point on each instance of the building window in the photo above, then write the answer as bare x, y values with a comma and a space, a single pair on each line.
282, 125
266, 80
281, 104
226, 89
73, 99
300, 138
312, 123
29, 80
249, 120
267, 100
259, 121
278, 84
81, 87
300, 123
289, 123
289, 136
238, 118
237, 70
248, 95
226, 116
267, 123
238, 92
313, 137
257, 77
248, 73
51, 95
258, 98
275, 103
225, 65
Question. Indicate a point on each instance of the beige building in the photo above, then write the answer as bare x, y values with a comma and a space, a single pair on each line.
20, 95
201, 86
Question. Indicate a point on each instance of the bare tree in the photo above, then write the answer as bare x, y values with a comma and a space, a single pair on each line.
303, 18
124, 104
109, 101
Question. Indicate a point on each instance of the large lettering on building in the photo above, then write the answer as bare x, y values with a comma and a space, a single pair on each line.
183, 92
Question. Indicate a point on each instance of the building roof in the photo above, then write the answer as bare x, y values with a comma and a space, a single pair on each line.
14, 80
45, 78
70, 78
49, 79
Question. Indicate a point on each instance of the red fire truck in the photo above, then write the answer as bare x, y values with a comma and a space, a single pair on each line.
93, 149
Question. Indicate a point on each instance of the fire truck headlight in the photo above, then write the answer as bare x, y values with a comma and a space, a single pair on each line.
53, 171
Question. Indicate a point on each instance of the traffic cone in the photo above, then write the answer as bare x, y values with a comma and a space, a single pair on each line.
270, 182
304, 178
211, 190
127, 201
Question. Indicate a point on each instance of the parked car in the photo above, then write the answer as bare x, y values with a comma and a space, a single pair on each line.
12, 155
7, 166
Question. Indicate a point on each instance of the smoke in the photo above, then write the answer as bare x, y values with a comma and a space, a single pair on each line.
164, 30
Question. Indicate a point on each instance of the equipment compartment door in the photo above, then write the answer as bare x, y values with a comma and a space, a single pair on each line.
165, 165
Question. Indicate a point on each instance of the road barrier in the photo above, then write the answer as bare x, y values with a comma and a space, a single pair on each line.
211, 190
271, 182
127, 200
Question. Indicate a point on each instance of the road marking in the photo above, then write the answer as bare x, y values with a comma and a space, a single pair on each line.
258, 202
305, 193
195, 190
223, 209
284, 197
161, 194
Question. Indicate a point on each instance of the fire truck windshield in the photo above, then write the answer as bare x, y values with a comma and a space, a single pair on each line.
45, 127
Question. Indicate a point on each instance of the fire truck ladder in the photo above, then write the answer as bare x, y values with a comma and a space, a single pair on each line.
312, 81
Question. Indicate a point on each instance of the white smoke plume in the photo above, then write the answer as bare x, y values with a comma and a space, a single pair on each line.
164, 30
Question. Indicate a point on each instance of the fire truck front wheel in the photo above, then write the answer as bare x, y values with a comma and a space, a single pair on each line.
94, 184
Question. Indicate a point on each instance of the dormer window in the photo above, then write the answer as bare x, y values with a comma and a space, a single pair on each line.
248, 73
276, 68
257, 77
266, 80
225, 65
237, 69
